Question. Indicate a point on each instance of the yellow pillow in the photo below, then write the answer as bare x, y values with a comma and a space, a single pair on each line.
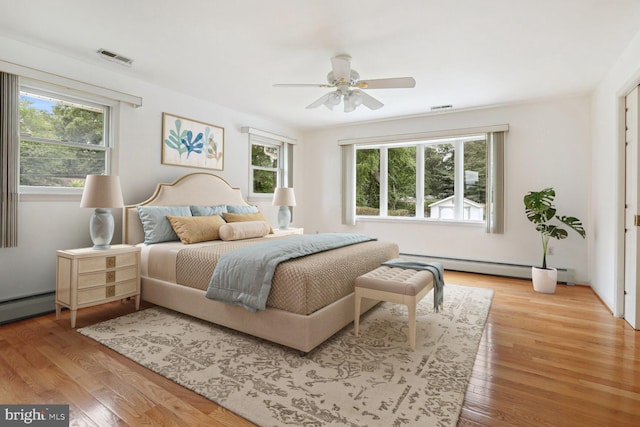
194, 229
243, 217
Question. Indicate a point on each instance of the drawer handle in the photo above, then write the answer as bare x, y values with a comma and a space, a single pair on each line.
111, 276
111, 262
110, 291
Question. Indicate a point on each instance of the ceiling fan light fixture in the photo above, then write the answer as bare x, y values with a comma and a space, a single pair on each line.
348, 87
356, 95
348, 105
352, 100
332, 100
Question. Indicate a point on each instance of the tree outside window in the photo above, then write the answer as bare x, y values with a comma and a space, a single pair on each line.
454, 171
265, 161
61, 140
401, 185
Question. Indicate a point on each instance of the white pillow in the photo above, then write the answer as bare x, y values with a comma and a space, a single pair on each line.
243, 230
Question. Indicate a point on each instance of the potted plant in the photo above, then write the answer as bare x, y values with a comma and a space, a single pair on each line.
540, 210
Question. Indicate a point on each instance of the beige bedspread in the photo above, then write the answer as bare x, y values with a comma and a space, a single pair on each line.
301, 285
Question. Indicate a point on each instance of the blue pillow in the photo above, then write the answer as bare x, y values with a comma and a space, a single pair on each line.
241, 209
208, 210
157, 227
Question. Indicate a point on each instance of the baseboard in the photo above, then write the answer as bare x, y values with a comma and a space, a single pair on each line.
30, 306
521, 271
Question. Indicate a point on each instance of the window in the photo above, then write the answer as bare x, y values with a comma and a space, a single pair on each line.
271, 162
62, 140
450, 174
435, 176
265, 166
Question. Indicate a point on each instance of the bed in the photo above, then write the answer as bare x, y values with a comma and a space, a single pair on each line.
311, 298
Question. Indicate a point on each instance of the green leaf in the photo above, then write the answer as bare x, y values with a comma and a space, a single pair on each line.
574, 223
539, 205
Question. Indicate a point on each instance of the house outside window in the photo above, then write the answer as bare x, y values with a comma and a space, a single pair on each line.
62, 140
405, 180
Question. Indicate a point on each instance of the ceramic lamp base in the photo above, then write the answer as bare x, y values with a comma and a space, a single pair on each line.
101, 227
284, 217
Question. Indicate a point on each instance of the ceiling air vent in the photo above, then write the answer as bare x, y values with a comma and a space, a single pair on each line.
442, 107
114, 57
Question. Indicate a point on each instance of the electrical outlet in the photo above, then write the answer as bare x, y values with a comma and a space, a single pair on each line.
550, 250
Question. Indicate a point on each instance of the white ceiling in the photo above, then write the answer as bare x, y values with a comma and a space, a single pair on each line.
468, 53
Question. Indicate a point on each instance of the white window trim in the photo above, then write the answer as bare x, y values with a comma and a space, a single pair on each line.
458, 192
257, 136
423, 136
71, 86
40, 193
257, 140
493, 222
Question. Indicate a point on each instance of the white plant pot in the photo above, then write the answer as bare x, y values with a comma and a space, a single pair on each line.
544, 280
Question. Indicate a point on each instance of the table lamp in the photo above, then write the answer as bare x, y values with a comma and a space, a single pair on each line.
284, 197
101, 192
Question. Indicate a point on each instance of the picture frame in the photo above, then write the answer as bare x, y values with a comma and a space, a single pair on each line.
192, 143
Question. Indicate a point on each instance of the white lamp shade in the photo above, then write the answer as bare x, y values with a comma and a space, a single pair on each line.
284, 197
102, 191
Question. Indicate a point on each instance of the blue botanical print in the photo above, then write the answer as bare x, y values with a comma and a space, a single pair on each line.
175, 138
194, 146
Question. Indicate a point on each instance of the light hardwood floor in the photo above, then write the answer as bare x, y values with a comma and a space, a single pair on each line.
544, 360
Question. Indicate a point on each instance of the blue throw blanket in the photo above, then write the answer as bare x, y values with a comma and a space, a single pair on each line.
243, 276
434, 267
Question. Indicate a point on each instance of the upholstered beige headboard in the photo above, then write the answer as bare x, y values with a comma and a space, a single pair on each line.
199, 189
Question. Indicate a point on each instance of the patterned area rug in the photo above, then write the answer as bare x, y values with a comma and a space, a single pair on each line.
370, 380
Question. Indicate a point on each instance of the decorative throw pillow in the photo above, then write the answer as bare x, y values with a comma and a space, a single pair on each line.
194, 229
242, 209
244, 230
208, 210
243, 217
155, 224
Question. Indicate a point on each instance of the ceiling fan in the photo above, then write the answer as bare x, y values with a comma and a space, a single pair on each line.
348, 86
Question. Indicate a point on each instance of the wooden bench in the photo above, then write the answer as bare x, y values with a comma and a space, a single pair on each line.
396, 285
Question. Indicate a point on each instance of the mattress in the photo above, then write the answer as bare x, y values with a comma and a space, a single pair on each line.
302, 285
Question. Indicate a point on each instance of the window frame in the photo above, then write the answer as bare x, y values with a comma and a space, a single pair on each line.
110, 109
285, 161
279, 169
421, 146
495, 137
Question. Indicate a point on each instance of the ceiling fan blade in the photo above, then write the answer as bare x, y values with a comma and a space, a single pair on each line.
323, 85
370, 102
320, 101
392, 83
341, 66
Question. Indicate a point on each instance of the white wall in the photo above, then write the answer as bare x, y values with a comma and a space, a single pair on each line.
607, 179
46, 225
548, 144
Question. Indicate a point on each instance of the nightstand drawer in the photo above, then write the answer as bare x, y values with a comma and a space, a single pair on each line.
107, 277
100, 293
87, 265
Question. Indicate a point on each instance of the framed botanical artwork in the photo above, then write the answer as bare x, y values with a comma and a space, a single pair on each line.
187, 142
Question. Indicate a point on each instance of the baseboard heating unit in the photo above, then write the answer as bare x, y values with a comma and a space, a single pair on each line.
21, 308
565, 275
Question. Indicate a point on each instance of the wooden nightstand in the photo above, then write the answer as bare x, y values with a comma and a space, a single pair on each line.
277, 232
88, 276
